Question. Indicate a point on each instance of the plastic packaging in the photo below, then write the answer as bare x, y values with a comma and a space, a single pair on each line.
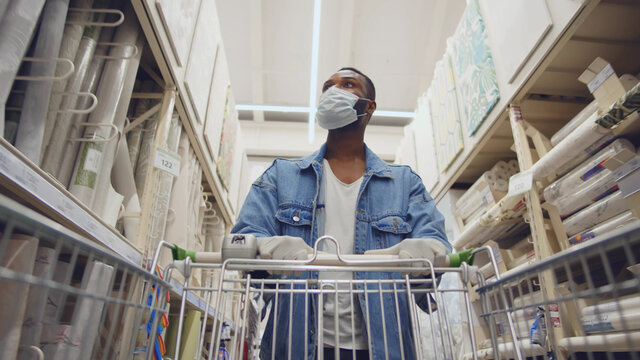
572, 145
539, 329
16, 27
595, 213
34, 110
89, 84
55, 150
581, 117
165, 183
603, 228
589, 182
91, 155
119, 119
134, 137
71, 38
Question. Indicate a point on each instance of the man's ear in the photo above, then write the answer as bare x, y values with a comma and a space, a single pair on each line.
371, 107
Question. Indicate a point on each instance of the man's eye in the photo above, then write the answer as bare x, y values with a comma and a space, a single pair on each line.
348, 84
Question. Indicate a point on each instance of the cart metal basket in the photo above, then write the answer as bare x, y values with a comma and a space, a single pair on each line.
262, 315
581, 303
64, 297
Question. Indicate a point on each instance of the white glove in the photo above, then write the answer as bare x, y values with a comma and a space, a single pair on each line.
420, 248
283, 248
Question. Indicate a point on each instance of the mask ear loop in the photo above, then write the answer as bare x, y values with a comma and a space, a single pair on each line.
366, 112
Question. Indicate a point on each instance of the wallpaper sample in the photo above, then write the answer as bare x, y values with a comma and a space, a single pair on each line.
445, 119
473, 67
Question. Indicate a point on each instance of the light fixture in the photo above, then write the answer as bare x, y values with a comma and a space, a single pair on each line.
313, 83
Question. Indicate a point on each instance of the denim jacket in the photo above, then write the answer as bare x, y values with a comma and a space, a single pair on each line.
392, 205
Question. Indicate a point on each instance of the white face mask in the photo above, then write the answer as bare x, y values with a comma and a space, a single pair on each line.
335, 108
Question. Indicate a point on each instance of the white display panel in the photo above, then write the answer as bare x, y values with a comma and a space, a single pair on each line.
515, 28
217, 101
197, 79
179, 18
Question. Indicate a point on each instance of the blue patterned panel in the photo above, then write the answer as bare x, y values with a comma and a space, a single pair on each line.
473, 67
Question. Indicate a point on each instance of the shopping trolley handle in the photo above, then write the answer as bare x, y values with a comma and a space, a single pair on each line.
245, 246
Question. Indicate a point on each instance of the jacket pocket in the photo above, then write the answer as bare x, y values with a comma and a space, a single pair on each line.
390, 231
295, 221
392, 224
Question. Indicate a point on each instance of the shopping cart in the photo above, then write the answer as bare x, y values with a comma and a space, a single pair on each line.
385, 288
581, 303
64, 297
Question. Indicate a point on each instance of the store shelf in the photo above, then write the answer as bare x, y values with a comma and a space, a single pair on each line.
173, 74
196, 302
42, 191
547, 88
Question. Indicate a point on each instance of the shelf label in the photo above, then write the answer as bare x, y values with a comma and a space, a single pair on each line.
28, 179
520, 183
167, 161
603, 75
487, 196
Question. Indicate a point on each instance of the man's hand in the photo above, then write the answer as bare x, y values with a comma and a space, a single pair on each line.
283, 248
420, 248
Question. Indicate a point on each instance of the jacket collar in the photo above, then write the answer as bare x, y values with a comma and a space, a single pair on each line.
375, 165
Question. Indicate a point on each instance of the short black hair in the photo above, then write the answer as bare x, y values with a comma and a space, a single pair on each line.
371, 90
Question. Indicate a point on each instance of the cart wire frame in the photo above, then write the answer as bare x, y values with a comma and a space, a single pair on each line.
591, 302
86, 302
242, 292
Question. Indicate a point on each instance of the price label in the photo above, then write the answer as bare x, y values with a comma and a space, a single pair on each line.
487, 196
167, 161
520, 183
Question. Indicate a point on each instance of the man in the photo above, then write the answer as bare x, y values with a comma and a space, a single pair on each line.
346, 191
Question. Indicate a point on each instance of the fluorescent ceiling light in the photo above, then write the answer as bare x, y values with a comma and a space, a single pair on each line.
281, 108
402, 114
312, 110
313, 83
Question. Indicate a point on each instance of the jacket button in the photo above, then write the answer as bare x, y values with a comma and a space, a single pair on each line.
296, 218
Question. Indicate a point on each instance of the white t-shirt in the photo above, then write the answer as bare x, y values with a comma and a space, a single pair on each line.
340, 222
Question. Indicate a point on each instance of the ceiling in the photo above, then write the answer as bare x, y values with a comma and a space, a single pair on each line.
395, 42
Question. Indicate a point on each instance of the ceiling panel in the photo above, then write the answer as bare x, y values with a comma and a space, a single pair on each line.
395, 42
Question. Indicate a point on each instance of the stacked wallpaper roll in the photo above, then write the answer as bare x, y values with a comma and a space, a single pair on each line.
490, 187
590, 181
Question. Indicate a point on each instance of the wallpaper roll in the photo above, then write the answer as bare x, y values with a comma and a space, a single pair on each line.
176, 230
16, 27
89, 162
55, 150
34, 110
45, 262
119, 118
514, 167
89, 84
144, 155
3, 7
19, 256
472, 198
588, 170
125, 184
585, 154
71, 37
581, 117
595, 213
162, 197
605, 227
572, 145
190, 334
96, 280
134, 137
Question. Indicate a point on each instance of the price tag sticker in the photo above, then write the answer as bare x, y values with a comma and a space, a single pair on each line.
520, 183
167, 161
487, 196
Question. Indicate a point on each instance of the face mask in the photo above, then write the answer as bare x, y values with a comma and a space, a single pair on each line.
335, 108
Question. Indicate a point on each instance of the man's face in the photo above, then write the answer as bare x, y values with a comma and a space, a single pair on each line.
349, 81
